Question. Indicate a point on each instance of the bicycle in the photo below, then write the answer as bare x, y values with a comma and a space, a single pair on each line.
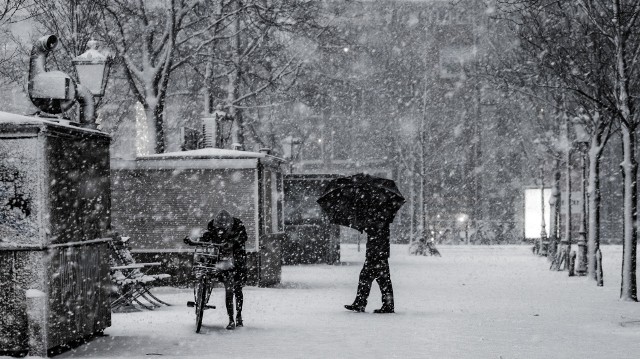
208, 265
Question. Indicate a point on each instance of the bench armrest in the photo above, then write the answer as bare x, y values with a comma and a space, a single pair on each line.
128, 266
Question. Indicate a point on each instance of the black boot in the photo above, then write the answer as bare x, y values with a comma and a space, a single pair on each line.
228, 301
354, 307
387, 305
239, 320
384, 309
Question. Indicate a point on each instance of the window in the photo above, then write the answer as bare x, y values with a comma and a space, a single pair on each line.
453, 60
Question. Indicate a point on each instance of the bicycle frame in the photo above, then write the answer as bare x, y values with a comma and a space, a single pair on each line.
205, 257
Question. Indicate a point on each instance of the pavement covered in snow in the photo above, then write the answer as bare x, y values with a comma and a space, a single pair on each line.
473, 302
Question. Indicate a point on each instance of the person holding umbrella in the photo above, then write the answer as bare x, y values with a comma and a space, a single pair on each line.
368, 204
376, 266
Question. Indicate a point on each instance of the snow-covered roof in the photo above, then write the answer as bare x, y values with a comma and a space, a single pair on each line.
211, 152
207, 153
205, 158
7, 118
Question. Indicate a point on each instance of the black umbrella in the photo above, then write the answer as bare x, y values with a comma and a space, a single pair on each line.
359, 200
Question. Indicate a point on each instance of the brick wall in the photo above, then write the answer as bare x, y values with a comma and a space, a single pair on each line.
159, 207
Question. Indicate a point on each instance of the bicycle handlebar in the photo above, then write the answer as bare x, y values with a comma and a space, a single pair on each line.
188, 241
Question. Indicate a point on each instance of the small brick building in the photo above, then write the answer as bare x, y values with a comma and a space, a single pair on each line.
311, 238
54, 213
160, 199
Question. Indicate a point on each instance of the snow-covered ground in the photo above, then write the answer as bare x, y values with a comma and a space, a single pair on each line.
473, 302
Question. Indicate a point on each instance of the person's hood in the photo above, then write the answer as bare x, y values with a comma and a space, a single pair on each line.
223, 220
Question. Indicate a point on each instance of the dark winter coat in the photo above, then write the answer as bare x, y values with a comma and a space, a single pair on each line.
234, 241
378, 247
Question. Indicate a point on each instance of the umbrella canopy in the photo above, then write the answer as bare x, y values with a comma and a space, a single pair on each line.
359, 200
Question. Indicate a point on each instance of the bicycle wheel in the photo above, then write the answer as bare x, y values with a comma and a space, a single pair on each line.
201, 300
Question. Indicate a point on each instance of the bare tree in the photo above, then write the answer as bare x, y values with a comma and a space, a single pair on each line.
8, 9
616, 26
10, 49
598, 88
146, 36
550, 35
258, 56
620, 24
74, 22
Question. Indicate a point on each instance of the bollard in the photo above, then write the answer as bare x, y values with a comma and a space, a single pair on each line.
37, 322
599, 275
572, 264
581, 261
544, 248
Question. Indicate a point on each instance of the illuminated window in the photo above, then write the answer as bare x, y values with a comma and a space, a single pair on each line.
533, 212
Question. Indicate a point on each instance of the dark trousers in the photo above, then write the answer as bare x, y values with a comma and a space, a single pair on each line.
233, 283
378, 269
231, 290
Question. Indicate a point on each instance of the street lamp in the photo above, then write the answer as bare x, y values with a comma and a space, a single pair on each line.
582, 142
294, 141
55, 92
564, 251
224, 127
544, 243
464, 219
92, 69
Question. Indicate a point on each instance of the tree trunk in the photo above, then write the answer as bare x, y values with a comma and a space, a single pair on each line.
159, 123
155, 127
423, 159
628, 289
423, 210
209, 69
412, 204
152, 132
566, 241
599, 274
233, 89
208, 90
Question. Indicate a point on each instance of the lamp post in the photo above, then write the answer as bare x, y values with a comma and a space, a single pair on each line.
292, 141
582, 142
464, 219
222, 128
562, 256
436, 232
544, 243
